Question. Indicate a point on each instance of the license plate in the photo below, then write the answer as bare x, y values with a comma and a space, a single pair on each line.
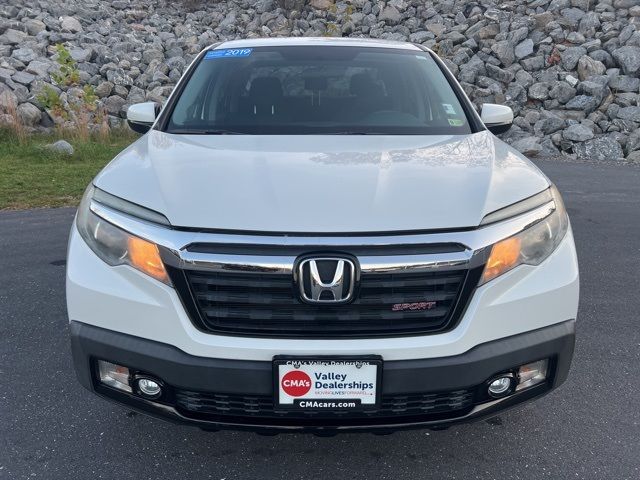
318, 383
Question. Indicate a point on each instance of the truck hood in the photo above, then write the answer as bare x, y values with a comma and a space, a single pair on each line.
321, 184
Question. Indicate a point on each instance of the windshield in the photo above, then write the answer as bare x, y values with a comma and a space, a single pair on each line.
318, 90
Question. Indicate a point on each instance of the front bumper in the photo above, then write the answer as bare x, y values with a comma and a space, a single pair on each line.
204, 378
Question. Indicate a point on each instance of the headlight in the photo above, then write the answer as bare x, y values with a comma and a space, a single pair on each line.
531, 246
115, 246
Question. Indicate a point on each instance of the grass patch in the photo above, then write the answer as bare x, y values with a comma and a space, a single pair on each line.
31, 176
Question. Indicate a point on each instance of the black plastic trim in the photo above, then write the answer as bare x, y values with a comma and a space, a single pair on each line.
499, 129
373, 425
139, 127
465, 295
182, 370
276, 233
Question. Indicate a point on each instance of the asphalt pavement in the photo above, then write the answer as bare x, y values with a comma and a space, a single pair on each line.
52, 428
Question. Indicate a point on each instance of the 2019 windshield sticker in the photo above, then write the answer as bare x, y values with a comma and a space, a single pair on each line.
228, 53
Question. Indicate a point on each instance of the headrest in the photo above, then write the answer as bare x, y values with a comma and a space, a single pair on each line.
315, 83
363, 84
265, 87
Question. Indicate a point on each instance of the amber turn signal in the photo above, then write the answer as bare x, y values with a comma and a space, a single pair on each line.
504, 256
145, 256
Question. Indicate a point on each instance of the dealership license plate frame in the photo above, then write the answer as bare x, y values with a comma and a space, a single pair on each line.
372, 359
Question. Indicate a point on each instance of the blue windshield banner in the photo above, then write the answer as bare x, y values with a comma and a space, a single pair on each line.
228, 53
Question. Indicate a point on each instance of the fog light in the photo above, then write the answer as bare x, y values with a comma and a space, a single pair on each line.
532, 374
114, 376
501, 385
148, 387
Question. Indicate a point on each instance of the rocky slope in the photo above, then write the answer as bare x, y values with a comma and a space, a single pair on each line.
570, 69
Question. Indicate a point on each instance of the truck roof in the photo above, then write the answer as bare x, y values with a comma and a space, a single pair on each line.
310, 41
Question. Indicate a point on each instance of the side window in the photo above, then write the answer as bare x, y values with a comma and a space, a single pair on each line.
192, 101
445, 107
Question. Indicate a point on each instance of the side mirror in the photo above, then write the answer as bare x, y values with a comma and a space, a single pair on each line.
497, 118
141, 116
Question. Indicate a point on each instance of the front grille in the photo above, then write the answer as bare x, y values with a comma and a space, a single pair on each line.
268, 304
262, 406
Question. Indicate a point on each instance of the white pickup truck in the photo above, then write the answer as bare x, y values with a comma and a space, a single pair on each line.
321, 235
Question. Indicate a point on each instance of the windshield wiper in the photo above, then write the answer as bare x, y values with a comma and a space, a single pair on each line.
346, 132
212, 131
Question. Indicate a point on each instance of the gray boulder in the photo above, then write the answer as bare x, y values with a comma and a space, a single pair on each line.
593, 89
70, 24
25, 55
629, 113
29, 114
39, 68
571, 56
8, 100
524, 49
81, 54
104, 89
550, 124
436, 28
572, 16
420, 37
604, 57
587, 67
499, 74
571, 80
633, 142
321, 4
583, 103
23, 78
158, 94
589, 24
14, 37
114, 104
504, 51
562, 91
578, 133
539, 91
533, 64
624, 3
628, 58
600, 149
390, 15
119, 77
625, 83
60, 147
529, 146
34, 26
